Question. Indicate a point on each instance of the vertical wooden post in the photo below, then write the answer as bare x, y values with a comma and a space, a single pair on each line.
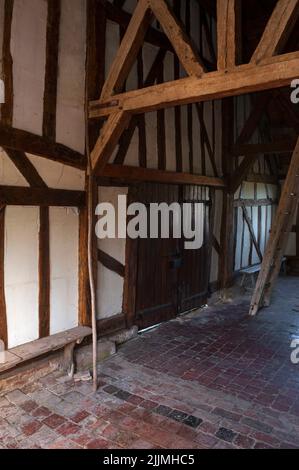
3, 319
44, 273
84, 288
95, 72
228, 33
7, 107
51, 74
226, 260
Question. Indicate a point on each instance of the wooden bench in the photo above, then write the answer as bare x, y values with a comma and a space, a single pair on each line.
66, 340
252, 270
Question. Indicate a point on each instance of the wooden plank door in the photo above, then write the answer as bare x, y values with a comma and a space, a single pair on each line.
194, 274
157, 276
169, 278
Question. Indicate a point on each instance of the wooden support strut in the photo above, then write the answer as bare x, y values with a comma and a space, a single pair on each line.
278, 237
277, 30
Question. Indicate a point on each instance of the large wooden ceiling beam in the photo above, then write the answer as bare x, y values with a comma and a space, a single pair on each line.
18, 139
137, 174
153, 36
128, 50
275, 72
108, 140
228, 33
181, 43
277, 30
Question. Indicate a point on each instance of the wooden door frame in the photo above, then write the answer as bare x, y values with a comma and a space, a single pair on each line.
131, 266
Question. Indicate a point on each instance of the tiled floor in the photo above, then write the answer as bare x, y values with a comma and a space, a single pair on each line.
218, 380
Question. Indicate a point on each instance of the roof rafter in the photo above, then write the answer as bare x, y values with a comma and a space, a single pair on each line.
277, 30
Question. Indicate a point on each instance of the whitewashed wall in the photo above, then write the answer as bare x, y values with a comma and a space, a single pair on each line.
28, 50
28, 47
21, 274
64, 264
110, 284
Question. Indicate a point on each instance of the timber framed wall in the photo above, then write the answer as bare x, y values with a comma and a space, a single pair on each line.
42, 120
187, 144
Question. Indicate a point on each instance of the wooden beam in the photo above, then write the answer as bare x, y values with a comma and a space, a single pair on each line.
226, 258
251, 231
84, 307
135, 174
181, 43
278, 29
125, 141
24, 141
111, 263
228, 33
128, 50
284, 146
289, 110
280, 230
44, 273
177, 110
127, 136
18, 196
258, 178
254, 118
108, 140
84, 302
95, 59
205, 135
241, 172
142, 148
7, 67
161, 136
271, 73
3, 318
26, 168
122, 18
131, 268
51, 73
254, 202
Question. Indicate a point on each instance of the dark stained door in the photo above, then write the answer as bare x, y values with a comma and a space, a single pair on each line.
157, 277
194, 273
169, 278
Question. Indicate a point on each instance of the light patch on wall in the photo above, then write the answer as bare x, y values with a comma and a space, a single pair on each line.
70, 125
9, 175
58, 176
28, 46
110, 285
21, 274
64, 231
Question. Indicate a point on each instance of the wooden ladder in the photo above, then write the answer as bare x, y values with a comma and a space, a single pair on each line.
278, 237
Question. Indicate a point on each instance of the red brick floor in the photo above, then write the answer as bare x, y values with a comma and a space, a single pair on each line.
218, 380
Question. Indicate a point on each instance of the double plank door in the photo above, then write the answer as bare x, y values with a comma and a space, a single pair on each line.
169, 279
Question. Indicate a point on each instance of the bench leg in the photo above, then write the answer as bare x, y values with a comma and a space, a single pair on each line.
68, 364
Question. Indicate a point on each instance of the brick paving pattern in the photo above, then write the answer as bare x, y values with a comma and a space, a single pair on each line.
217, 380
